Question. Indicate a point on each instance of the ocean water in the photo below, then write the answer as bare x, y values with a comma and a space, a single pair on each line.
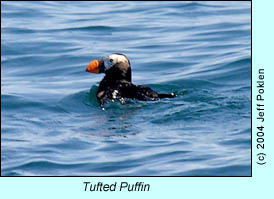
52, 125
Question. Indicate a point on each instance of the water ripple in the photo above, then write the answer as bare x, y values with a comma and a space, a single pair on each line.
52, 123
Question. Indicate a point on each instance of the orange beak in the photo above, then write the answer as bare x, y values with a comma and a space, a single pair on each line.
93, 67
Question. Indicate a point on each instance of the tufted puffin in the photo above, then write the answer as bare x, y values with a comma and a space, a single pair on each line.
117, 84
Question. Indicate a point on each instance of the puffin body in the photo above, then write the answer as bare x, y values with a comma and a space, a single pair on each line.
117, 81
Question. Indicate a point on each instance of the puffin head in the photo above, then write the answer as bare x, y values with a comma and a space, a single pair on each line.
115, 66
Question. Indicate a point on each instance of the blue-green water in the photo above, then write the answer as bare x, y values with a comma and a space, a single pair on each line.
51, 123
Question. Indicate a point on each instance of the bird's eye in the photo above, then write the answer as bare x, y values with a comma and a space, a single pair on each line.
111, 60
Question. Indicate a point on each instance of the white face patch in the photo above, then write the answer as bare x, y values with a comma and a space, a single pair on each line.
112, 59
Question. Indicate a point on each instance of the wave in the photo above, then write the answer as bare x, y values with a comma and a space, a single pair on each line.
52, 123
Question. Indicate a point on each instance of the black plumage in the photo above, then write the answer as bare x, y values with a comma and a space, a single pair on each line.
117, 84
